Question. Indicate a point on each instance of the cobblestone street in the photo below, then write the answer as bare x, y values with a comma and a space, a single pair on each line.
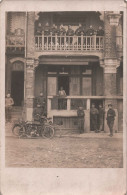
72, 151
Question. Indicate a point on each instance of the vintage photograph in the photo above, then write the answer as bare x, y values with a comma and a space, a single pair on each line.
64, 89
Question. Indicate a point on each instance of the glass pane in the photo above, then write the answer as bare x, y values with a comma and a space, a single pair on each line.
75, 86
75, 103
86, 86
51, 85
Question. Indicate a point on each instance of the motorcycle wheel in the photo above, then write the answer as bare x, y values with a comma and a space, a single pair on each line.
17, 130
48, 132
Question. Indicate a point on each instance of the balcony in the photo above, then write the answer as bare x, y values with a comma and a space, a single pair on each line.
54, 43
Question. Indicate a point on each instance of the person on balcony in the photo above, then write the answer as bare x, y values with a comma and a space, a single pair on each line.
90, 31
47, 29
100, 31
79, 30
61, 30
62, 92
53, 30
39, 29
110, 119
80, 114
70, 32
93, 117
8, 107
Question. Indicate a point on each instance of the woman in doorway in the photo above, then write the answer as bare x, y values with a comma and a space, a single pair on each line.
62, 92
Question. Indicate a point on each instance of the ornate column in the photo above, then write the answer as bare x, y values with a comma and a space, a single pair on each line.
111, 61
30, 66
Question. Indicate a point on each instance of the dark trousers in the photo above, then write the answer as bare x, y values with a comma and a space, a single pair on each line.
94, 123
8, 114
110, 125
81, 124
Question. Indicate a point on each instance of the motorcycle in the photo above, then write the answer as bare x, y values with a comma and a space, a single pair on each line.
34, 129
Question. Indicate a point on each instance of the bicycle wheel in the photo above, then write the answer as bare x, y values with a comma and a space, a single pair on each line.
48, 131
17, 130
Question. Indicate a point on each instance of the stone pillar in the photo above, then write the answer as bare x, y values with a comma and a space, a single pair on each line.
110, 64
111, 61
30, 74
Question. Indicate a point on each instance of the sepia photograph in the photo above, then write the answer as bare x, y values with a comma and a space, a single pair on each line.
64, 89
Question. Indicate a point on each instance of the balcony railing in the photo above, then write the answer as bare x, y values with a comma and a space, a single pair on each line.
15, 41
68, 43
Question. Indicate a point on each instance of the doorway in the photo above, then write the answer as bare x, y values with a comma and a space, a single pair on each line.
63, 81
17, 87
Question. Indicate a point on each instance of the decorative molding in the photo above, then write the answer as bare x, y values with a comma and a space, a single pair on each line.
110, 65
32, 63
17, 59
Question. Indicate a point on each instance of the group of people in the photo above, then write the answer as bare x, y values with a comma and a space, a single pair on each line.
61, 31
96, 114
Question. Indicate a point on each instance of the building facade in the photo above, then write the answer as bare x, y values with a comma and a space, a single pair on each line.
79, 51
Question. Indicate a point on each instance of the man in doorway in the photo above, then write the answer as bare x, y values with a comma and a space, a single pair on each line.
93, 116
110, 119
8, 107
80, 114
101, 117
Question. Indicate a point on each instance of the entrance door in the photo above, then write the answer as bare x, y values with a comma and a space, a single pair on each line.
63, 81
17, 87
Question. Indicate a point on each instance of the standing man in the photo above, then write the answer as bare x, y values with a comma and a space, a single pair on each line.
101, 117
110, 118
93, 116
40, 100
8, 107
80, 114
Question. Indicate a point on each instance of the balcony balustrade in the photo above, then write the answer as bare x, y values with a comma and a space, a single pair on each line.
69, 43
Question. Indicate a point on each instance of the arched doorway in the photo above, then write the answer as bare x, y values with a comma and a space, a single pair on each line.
17, 83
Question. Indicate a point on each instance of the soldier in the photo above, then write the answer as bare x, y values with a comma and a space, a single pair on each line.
61, 30
40, 100
53, 29
80, 114
70, 32
37, 112
8, 107
93, 117
39, 29
79, 30
100, 31
90, 31
110, 118
47, 29
101, 117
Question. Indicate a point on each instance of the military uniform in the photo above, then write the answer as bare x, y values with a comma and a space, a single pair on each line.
40, 100
81, 114
79, 31
100, 32
8, 108
101, 118
93, 116
110, 119
90, 32
53, 30
61, 31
